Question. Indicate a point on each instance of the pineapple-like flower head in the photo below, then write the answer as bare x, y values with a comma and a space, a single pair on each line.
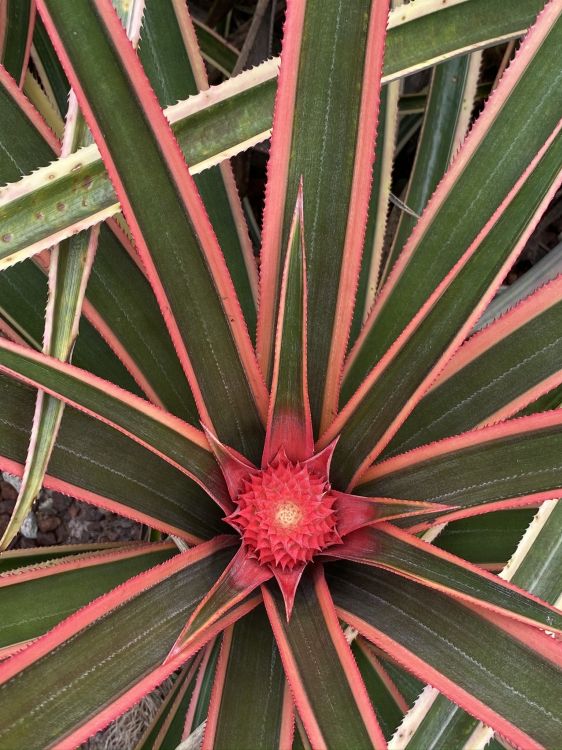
286, 513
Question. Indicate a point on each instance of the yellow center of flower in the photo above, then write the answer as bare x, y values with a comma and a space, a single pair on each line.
288, 515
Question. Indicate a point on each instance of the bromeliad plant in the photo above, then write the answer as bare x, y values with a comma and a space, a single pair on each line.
310, 474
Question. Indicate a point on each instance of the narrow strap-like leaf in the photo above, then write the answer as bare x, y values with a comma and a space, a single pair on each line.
70, 266
215, 49
250, 706
199, 705
373, 245
329, 693
165, 729
170, 56
17, 19
496, 373
464, 205
49, 70
390, 392
354, 511
38, 596
169, 437
404, 554
448, 100
514, 463
210, 334
385, 697
513, 686
126, 316
488, 540
93, 691
289, 424
17, 112
93, 462
318, 109
527, 568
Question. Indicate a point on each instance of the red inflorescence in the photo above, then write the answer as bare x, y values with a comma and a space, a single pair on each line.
285, 514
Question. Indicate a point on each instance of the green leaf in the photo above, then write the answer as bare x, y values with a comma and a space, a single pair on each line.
174, 440
52, 75
165, 55
403, 554
375, 230
537, 569
216, 51
37, 603
492, 674
448, 100
67, 686
121, 295
392, 389
166, 729
498, 371
14, 51
493, 466
70, 265
488, 539
472, 192
23, 290
324, 680
209, 333
386, 700
289, 425
247, 706
238, 114
325, 121
94, 462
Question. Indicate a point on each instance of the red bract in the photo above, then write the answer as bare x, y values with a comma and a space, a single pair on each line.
324, 454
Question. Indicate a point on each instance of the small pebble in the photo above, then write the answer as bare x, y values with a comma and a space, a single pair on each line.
29, 526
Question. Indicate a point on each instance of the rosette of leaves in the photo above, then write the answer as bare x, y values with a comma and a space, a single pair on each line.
302, 437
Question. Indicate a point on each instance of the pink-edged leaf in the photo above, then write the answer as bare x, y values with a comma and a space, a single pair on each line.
498, 678
165, 729
14, 98
17, 20
508, 465
392, 390
126, 121
169, 437
288, 581
324, 124
242, 575
471, 192
95, 691
88, 464
250, 705
395, 550
170, 55
70, 266
289, 424
326, 685
39, 595
496, 373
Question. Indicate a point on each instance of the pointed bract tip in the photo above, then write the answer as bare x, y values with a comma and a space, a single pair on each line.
319, 463
288, 582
